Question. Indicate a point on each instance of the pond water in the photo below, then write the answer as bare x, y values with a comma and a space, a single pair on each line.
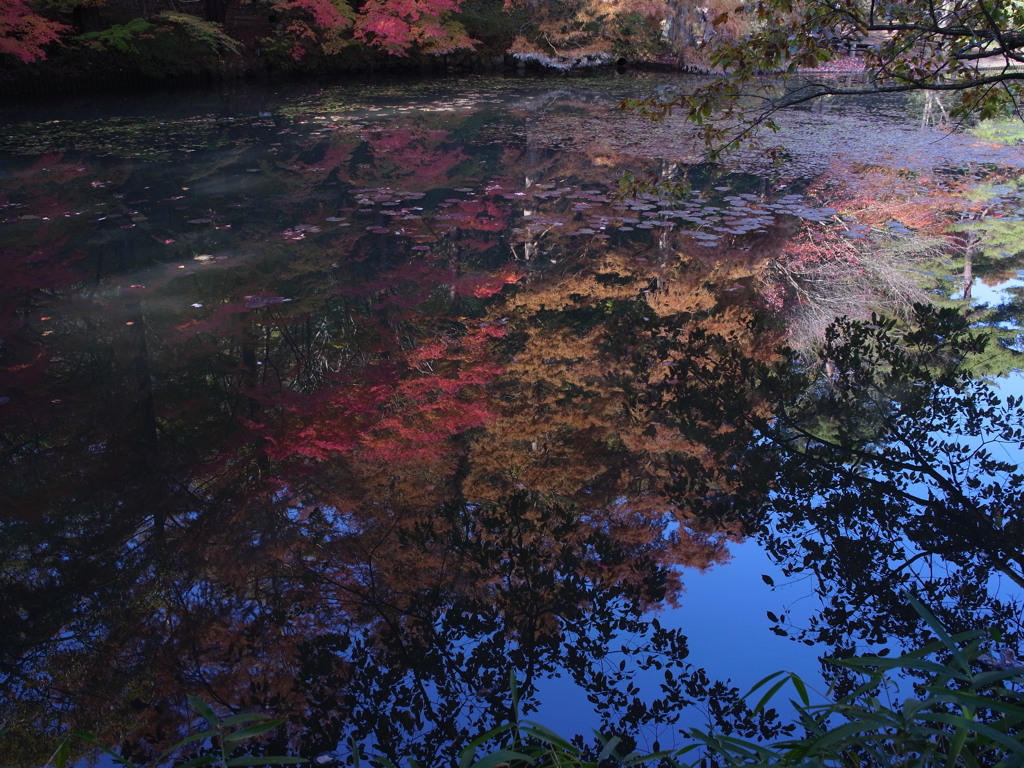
352, 403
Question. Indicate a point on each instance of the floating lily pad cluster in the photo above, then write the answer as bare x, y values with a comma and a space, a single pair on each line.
143, 138
308, 177
552, 210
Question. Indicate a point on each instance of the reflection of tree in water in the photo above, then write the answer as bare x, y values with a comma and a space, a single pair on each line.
309, 505
913, 466
519, 586
891, 468
390, 616
365, 479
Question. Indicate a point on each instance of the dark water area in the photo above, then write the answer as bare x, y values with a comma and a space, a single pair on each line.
350, 404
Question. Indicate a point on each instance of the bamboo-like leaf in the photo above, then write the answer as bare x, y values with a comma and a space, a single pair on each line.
801, 689
197, 762
91, 739
194, 738
985, 679
968, 758
643, 759
204, 710
513, 688
1009, 742
976, 701
469, 751
762, 682
900, 662
245, 717
720, 743
864, 730
59, 758
770, 694
956, 746
539, 732
502, 757
252, 730
911, 707
939, 631
608, 748
243, 760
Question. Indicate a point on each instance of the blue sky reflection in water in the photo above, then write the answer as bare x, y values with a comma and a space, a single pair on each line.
347, 403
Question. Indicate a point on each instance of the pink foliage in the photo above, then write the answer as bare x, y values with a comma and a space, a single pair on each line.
396, 26
23, 34
485, 286
437, 392
324, 13
399, 25
416, 154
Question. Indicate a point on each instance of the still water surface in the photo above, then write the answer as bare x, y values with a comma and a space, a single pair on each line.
335, 403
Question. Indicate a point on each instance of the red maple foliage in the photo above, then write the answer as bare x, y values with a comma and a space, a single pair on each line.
483, 286
395, 26
24, 33
401, 411
400, 25
426, 158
